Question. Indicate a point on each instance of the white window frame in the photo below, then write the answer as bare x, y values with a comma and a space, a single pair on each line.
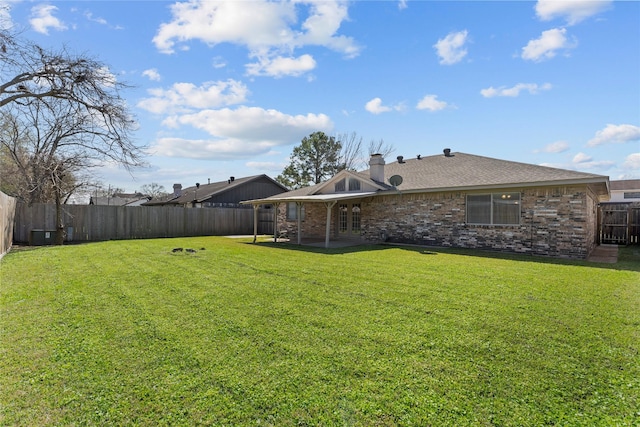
508, 198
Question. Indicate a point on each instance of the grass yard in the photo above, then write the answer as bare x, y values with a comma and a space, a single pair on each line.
235, 334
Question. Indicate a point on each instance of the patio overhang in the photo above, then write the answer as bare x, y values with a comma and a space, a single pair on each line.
329, 201
314, 198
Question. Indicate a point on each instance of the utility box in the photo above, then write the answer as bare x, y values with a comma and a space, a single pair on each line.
42, 237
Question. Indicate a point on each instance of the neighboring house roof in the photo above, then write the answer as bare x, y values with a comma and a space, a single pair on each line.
119, 199
626, 184
206, 191
625, 191
457, 172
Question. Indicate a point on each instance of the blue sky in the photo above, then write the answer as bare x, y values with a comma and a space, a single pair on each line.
229, 88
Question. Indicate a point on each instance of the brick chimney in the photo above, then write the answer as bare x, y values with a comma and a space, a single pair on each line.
376, 168
177, 190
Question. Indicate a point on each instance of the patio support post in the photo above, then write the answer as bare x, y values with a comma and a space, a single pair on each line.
298, 216
275, 222
255, 222
329, 205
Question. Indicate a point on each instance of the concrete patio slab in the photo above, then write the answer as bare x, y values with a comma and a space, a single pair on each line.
605, 254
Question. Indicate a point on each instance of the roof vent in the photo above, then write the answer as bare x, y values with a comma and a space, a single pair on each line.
400, 159
419, 157
447, 152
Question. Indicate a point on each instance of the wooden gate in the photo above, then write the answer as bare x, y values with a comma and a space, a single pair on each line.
619, 223
265, 220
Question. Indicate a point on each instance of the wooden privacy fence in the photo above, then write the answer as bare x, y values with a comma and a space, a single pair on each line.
619, 223
87, 223
7, 214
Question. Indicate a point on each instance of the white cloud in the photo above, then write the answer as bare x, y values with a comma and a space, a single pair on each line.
583, 161
267, 166
218, 62
282, 66
556, 147
514, 91
580, 162
268, 29
431, 103
152, 74
240, 133
613, 134
375, 106
402, 4
183, 97
451, 48
6, 22
325, 18
42, 19
213, 149
255, 123
547, 46
632, 161
581, 158
98, 20
573, 11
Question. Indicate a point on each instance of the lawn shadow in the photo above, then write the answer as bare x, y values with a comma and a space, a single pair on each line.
628, 256
334, 250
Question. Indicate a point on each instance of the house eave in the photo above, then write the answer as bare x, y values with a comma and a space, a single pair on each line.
507, 185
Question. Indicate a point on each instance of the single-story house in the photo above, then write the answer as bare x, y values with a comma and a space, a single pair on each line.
625, 191
451, 200
227, 193
120, 199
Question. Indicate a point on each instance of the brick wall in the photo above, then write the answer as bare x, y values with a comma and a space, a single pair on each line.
555, 221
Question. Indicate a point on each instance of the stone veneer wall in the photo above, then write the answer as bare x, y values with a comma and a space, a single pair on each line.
555, 221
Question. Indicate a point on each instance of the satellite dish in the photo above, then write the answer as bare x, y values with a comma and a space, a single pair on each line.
395, 180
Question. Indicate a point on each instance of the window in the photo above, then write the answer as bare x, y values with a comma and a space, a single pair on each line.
340, 186
632, 195
342, 217
292, 212
496, 208
355, 218
349, 218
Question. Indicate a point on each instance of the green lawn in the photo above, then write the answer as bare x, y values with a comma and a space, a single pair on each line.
131, 333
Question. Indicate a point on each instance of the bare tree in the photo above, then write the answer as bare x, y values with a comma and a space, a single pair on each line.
66, 116
352, 154
154, 190
380, 147
351, 150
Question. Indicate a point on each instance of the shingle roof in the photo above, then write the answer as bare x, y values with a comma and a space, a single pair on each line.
466, 171
627, 184
206, 191
461, 171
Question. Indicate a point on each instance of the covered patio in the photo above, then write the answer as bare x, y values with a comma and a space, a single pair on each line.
328, 200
